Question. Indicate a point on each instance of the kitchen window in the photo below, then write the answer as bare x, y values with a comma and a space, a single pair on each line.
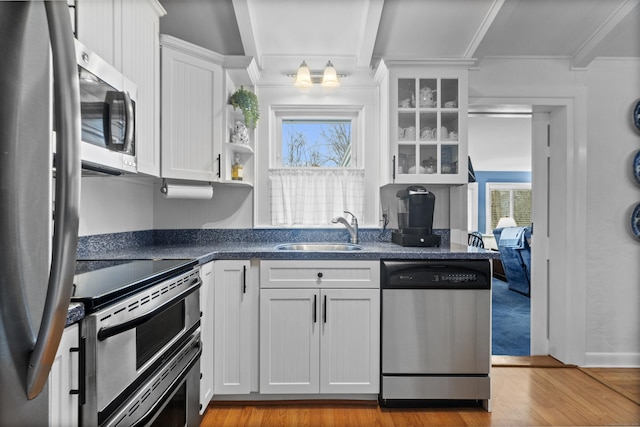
315, 173
316, 143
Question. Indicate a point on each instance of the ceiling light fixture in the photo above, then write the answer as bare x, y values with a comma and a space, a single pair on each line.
307, 78
303, 78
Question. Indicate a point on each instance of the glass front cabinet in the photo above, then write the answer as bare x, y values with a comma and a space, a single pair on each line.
428, 126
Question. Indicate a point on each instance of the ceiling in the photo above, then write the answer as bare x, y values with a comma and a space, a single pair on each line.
355, 34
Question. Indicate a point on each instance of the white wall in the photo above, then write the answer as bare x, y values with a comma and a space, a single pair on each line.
230, 207
500, 143
115, 204
613, 255
599, 272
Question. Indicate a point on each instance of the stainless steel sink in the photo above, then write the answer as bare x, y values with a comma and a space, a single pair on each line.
319, 247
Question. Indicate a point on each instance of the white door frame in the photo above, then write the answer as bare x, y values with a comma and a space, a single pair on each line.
558, 302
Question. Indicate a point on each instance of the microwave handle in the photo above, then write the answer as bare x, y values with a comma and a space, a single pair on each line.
128, 137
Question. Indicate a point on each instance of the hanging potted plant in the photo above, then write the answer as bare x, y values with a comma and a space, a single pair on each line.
247, 101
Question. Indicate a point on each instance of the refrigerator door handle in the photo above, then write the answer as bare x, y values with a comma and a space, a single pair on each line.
65, 229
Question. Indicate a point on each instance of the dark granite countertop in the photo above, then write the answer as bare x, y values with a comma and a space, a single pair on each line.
75, 313
266, 250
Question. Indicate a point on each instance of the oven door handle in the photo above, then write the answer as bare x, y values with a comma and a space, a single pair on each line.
110, 331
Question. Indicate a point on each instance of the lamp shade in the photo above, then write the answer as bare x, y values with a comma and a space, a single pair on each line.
506, 221
330, 77
303, 78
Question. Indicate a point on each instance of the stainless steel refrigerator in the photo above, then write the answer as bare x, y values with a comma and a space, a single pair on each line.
38, 87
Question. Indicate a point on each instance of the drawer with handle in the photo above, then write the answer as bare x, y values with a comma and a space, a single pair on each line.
319, 274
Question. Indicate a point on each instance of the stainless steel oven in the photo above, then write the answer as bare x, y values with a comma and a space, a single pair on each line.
141, 343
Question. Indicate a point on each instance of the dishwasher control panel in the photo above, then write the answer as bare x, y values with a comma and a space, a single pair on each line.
456, 277
471, 274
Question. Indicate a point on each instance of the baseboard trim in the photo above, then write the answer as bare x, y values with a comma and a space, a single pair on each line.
611, 360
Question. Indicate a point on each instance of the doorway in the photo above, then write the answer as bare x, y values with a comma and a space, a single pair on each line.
559, 190
500, 147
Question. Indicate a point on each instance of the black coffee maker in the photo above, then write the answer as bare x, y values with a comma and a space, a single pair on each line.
415, 218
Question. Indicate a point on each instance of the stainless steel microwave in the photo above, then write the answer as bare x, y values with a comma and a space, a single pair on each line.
108, 115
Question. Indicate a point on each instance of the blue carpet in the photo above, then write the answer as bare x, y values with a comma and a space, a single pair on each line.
511, 321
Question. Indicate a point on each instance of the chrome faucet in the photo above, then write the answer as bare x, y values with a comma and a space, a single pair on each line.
352, 228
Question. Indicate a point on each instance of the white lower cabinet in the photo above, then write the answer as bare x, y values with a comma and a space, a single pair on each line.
350, 341
235, 306
206, 335
315, 339
289, 341
64, 379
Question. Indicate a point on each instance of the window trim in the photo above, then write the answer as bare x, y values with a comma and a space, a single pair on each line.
490, 186
354, 113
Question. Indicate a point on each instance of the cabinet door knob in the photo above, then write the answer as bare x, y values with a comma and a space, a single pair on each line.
319, 275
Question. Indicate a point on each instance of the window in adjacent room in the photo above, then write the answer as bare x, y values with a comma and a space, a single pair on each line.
508, 200
314, 172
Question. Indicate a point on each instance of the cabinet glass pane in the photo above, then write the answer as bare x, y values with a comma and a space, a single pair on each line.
449, 128
428, 95
428, 156
449, 159
407, 93
406, 159
449, 93
407, 126
428, 126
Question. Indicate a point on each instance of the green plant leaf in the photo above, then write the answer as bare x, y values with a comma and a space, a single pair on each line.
247, 101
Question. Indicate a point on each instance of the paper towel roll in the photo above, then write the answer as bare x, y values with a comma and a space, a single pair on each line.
173, 191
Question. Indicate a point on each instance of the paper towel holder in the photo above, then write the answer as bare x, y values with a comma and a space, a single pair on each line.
164, 189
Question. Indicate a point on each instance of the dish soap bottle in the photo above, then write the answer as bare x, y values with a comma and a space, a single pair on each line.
236, 169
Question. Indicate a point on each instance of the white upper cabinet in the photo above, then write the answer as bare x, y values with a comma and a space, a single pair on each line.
141, 64
98, 28
192, 111
125, 34
427, 125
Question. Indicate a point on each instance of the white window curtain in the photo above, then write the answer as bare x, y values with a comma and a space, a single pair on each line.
313, 196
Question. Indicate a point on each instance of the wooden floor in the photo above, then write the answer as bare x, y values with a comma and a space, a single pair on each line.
525, 392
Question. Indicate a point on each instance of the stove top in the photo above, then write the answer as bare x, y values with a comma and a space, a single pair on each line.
100, 282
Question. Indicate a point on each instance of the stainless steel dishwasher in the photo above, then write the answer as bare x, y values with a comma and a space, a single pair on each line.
436, 332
